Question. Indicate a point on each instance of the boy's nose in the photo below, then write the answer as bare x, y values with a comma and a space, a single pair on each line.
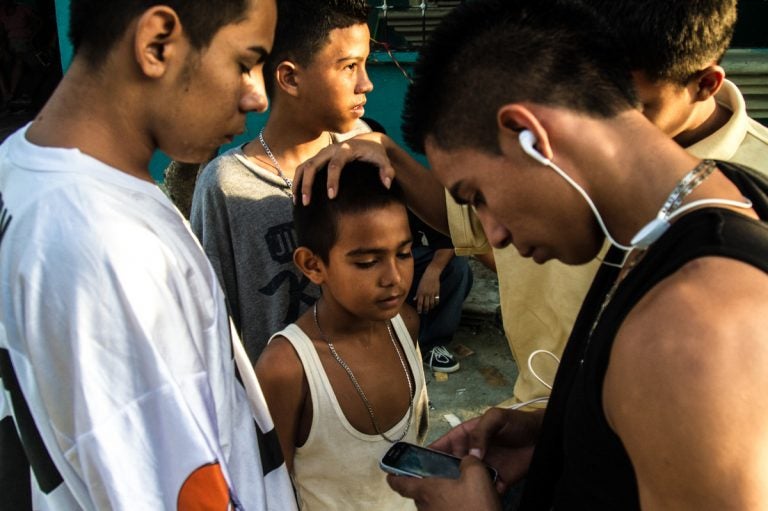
498, 235
392, 275
254, 98
364, 83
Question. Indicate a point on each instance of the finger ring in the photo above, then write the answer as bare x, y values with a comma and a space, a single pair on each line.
437, 298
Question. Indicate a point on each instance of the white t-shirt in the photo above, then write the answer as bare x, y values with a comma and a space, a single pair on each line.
119, 339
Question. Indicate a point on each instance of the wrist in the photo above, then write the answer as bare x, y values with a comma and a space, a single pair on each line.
433, 270
400, 159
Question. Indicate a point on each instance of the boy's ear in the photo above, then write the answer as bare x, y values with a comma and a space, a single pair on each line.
513, 118
157, 39
287, 77
708, 82
310, 264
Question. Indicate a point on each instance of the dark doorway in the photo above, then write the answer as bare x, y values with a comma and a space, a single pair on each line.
30, 66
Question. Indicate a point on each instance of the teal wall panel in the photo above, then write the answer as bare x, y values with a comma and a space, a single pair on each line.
62, 21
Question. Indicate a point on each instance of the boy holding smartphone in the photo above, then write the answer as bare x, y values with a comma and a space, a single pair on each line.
345, 381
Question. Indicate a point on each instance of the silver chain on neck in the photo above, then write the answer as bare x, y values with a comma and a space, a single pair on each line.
684, 187
359, 389
271, 156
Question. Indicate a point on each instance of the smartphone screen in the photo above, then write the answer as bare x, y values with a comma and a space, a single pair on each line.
411, 460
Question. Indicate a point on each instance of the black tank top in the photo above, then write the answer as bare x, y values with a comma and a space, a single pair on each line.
579, 462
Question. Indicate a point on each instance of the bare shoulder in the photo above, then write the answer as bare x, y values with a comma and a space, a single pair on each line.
710, 302
279, 364
281, 376
709, 317
685, 375
411, 320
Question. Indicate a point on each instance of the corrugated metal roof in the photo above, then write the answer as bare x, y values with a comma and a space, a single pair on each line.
748, 69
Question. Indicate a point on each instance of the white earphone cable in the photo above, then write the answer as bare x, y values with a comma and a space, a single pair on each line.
591, 204
746, 204
535, 375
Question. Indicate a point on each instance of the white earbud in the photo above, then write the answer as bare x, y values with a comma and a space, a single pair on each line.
527, 142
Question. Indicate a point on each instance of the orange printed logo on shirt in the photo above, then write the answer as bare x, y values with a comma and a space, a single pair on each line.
205, 489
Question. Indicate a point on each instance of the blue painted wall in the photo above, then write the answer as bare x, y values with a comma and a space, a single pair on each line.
384, 104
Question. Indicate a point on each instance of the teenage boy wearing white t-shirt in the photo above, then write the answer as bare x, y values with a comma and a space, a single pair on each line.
116, 353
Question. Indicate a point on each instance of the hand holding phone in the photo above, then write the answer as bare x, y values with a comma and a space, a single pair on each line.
412, 460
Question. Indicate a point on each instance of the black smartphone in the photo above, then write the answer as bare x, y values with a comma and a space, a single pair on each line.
415, 461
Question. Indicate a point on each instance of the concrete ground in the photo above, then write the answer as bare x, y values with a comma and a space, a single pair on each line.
488, 372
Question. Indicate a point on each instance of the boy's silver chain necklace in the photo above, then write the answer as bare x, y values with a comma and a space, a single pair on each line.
684, 187
359, 389
268, 151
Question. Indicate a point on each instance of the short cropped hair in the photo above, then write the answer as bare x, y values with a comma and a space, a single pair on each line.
670, 41
360, 190
96, 25
487, 53
303, 27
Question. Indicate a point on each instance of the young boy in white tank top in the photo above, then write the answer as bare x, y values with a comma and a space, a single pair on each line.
346, 380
